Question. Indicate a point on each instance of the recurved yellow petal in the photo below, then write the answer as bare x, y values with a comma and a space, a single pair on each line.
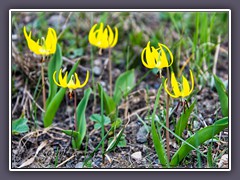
115, 38
186, 87
54, 79
166, 89
86, 80
62, 81
192, 81
103, 37
110, 37
46, 47
175, 86
32, 45
163, 54
92, 35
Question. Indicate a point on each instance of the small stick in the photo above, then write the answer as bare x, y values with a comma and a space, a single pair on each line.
65, 161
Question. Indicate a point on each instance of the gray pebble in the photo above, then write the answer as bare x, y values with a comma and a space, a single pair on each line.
79, 165
142, 135
97, 70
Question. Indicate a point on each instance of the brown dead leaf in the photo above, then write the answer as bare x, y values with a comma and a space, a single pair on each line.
31, 160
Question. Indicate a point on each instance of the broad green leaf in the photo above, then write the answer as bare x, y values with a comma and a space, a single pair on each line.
54, 65
122, 142
56, 101
182, 122
223, 97
109, 104
81, 119
72, 133
199, 138
117, 123
124, 83
19, 126
157, 140
98, 118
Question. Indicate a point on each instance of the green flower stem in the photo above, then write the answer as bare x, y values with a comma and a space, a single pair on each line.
43, 83
102, 128
167, 116
110, 71
93, 79
75, 108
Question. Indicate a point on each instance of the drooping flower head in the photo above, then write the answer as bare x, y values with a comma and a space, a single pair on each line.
185, 87
103, 37
156, 58
43, 46
71, 85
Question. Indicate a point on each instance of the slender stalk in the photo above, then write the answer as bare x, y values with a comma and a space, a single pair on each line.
43, 83
102, 127
75, 108
93, 79
167, 116
110, 71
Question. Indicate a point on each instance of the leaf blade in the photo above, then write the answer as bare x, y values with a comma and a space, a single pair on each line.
56, 101
223, 97
202, 135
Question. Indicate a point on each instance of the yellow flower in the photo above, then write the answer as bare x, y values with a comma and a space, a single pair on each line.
103, 38
71, 84
156, 58
46, 47
185, 90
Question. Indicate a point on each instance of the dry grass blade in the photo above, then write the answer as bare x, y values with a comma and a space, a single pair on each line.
31, 160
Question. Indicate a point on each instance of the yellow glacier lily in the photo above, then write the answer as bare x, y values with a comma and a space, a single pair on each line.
46, 47
185, 90
156, 58
71, 84
103, 38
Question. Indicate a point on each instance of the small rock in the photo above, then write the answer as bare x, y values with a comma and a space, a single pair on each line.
116, 72
209, 121
137, 156
69, 109
103, 84
55, 19
79, 165
196, 124
142, 135
97, 70
97, 62
223, 163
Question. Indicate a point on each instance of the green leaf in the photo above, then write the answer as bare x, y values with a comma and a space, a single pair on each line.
182, 122
209, 157
81, 119
72, 133
98, 119
223, 97
56, 101
122, 142
198, 138
157, 140
20, 126
124, 83
115, 141
109, 104
117, 123
75, 53
54, 65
